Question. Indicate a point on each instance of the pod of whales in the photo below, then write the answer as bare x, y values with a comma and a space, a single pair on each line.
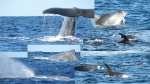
87, 68
112, 73
110, 19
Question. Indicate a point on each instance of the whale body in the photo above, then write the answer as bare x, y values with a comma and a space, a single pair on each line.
112, 73
110, 19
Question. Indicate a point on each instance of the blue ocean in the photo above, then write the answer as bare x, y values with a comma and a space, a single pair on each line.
134, 63
98, 46
101, 45
18, 32
37, 71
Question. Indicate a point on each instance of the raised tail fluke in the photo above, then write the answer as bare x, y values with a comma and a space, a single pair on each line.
71, 12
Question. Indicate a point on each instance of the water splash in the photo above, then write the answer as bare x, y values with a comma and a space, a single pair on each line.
10, 68
54, 78
60, 38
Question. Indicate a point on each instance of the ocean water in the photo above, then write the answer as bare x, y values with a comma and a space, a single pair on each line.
98, 46
38, 71
101, 45
137, 22
18, 32
134, 63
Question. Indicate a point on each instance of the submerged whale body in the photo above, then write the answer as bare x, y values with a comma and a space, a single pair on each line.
68, 26
110, 19
111, 73
87, 68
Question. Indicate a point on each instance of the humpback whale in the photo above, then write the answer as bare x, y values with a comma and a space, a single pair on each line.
111, 73
71, 15
125, 39
87, 68
110, 19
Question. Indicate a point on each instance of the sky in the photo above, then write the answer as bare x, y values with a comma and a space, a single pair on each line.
14, 54
35, 7
53, 48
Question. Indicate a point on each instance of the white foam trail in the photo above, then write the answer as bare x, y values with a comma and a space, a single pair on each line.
60, 38
54, 78
95, 41
19, 38
10, 68
40, 58
107, 53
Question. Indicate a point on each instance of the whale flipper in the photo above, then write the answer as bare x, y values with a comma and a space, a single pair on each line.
71, 12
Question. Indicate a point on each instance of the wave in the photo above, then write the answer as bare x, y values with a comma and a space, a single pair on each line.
108, 53
60, 38
19, 38
54, 78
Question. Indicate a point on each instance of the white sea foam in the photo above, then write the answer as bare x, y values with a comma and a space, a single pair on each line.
54, 78
107, 53
60, 38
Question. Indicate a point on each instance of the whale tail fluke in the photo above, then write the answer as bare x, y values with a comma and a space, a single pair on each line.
71, 12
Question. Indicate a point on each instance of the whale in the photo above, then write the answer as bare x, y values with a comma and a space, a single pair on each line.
70, 17
87, 68
68, 27
71, 12
112, 73
110, 19
125, 39
63, 56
